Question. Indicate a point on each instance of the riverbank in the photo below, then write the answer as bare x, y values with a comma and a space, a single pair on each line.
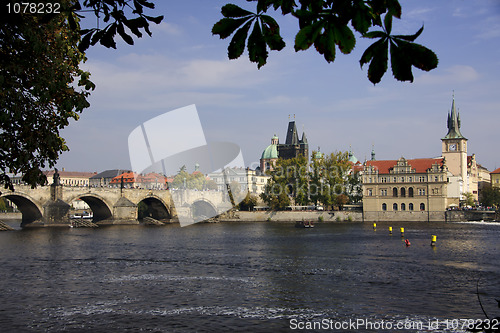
11, 216
288, 216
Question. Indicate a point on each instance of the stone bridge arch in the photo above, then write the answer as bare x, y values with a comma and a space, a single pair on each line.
31, 211
101, 210
203, 209
155, 207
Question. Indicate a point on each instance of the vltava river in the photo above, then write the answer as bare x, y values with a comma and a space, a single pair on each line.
250, 277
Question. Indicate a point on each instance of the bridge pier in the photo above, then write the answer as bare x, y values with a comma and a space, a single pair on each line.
124, 212
55, 210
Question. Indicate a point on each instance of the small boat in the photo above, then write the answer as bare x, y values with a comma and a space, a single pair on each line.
304, 224
84, 215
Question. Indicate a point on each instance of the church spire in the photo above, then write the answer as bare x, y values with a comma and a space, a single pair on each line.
453, 123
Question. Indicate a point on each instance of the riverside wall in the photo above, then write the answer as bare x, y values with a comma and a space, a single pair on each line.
287, 216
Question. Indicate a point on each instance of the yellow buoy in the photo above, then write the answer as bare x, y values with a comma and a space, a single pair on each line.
402, 231
433, 240
374, 226
390, 230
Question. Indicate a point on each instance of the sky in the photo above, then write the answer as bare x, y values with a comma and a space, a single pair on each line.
335, 104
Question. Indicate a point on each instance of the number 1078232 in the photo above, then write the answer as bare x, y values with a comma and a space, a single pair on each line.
34, 8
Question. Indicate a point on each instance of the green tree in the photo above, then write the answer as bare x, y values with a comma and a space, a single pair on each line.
469, 199
334, 178
490, 196
354, 187
42, 86
3, 205
341, 200
289, 181
210, 184
328, 25
248, 203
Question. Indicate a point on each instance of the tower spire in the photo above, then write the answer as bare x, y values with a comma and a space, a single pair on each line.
453, 123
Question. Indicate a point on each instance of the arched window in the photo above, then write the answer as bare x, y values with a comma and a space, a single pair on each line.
410, 192
410, 207
384, 207
395, 192
395, 207
403, 206
403, 192
422, 206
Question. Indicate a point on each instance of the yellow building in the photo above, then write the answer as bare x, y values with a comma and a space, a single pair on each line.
70, 178
495, 178
422, 189
405, 190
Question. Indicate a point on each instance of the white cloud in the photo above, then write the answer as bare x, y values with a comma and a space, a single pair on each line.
449, 76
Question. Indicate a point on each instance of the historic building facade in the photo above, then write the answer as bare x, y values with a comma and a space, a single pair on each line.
495, 178
293, 147
422, 189
414, 190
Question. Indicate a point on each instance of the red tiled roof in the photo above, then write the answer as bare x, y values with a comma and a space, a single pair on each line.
128, 177
496, 171
420, 165
132, 177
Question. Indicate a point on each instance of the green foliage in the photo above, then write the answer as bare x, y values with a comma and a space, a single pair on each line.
41, 89
248, 203
265, 33
3, 205
210, 184
328, 177
354, 188
404, 54
341, 200
289, 180
41, 84
328, 25
490, 196
321, 218
114, 14
185, 180
469, 199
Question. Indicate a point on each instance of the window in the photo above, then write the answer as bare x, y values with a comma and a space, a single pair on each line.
421, 191
403, 192
403, 206
436, 178
395, 192
410, 179
384, 207
395, 207
410, 192
383, 193
410, 207
384, 180
421, 179
370, 192
394, 179
402, 179
422, 206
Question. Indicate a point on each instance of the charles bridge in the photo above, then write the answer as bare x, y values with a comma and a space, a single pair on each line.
50, 205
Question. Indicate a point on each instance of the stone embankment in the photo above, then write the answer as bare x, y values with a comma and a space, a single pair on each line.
288, 216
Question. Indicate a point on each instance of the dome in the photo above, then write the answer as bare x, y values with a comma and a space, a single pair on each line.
319, 155
270, 152
353, 158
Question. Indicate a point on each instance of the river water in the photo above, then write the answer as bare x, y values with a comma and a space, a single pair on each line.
249, 277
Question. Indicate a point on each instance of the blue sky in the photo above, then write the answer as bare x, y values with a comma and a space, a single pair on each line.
336, 105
